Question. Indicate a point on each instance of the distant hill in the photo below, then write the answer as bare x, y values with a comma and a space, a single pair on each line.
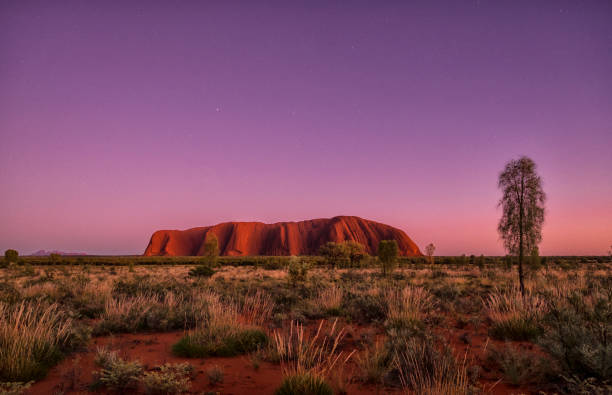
282, 238
47, 253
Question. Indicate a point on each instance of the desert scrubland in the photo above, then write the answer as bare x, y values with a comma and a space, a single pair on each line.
295, 325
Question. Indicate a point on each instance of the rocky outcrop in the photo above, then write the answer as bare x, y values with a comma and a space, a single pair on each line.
282, 238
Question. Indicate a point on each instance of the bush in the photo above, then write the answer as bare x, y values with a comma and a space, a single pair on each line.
579, 335
201, 271
220, 342
304, 384
516, 328
14, 388
518, 367
117, 374
168, 380
297, 271
10, 256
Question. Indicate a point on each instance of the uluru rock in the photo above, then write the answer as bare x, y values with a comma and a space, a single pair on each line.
281, 238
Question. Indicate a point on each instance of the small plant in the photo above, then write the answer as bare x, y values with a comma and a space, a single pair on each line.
220, 341
215, 375
117, 374
374, 363
201, 271
169, 379
14, 388
304, 384
517, 367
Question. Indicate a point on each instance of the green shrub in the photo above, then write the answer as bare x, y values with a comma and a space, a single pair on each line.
117, 374
10, 256
220, 342
14, 388
169, 379
579, 335
304, 384
201, 271
516, 328
297, 271
518, 366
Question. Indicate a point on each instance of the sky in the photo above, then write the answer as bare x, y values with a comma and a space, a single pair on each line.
121, 118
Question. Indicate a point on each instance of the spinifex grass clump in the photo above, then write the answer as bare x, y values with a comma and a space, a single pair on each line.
304, 383
307, 361
32, 339
514, 316
425, 369
148, 312
221, 331
407, 308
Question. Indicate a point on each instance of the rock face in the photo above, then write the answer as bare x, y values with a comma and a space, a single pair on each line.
282, 238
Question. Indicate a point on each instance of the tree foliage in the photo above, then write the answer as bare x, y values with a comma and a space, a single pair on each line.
210, 249
429, 250
342, 254
10, 256
522, 203
387, 253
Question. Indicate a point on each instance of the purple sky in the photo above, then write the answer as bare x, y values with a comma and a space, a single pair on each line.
120, 118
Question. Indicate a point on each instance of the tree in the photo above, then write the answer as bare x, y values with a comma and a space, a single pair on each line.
387, 253
334, 253
355, 252
10, 256
522, 205
429, 250
210, 249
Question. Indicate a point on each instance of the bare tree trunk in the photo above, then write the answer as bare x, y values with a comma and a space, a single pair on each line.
521, 252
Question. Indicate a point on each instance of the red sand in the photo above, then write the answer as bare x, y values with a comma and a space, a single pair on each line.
75, 374
282, 238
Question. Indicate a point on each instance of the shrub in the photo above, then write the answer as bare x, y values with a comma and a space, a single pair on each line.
297, 271
223, 341
169, 379
215, 374
10, 256
374, 364
304, 384
518, 367
579, 335
117, 374
201, 271
14, 388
